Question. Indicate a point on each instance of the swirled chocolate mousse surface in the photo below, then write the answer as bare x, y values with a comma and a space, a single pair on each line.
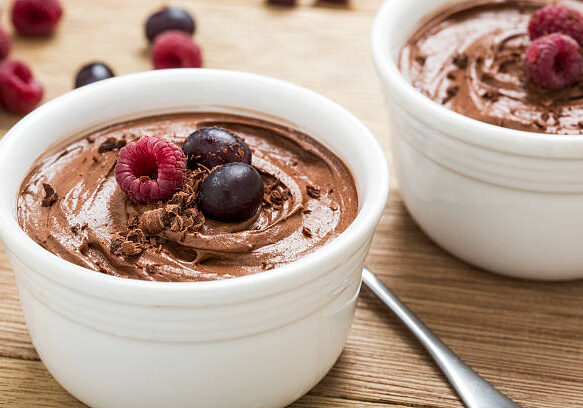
71, 204
469, 57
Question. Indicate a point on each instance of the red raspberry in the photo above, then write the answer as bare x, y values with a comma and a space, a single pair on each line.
175, 49
554, 61
5, 44
556, 19
150, 169
36, 18
19, 91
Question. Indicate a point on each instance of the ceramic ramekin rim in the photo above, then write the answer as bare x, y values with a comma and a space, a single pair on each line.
457, 126
283, 278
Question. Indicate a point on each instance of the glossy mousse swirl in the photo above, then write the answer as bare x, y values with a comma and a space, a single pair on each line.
310, 198
469, 57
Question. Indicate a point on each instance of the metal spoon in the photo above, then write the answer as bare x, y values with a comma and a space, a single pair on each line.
474, 391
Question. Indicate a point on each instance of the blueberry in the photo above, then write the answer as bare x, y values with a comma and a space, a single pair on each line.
93, 72
230, 193
213, 146
169, 18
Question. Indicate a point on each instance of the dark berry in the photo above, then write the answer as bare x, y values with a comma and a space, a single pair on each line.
213, 146
5, 44
93, 72
169, 18
556, 19
150, 169
19, 91
174, 49
36, 18
230, 193
554, 61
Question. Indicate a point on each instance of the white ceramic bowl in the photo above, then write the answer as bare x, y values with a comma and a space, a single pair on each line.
256, 341
505, 200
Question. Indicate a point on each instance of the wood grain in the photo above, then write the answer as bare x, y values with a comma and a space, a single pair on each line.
524, 337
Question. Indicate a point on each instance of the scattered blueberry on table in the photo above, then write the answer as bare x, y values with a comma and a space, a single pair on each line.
93, 72
169, 18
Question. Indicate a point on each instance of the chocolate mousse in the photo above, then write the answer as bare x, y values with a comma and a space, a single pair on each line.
470, 58
72, 204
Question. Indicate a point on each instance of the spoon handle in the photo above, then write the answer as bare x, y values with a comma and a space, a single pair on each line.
474, 391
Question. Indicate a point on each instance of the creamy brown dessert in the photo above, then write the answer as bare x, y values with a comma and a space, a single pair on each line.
469, 57
71, 204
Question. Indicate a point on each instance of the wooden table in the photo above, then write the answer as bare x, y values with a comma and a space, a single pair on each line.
524, 337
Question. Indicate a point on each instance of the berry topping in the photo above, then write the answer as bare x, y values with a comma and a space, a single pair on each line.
174, 49
556, 19
230, 193
215, 146
554, 61
5, 44
93, 72
150, 169
36, 18
19, 91
169, 18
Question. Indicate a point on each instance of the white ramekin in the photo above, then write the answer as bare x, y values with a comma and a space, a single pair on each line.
257, 341
505, 200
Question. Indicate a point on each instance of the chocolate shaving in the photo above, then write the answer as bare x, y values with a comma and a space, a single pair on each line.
107, 146
90, 139
136, 235
84, 247
177, 224
491, 95
134, 222
461, 61
180, 198
194, 218
334, 207
130, 248
486, 77
313, 191
267, 199
276, 197
115, 246
151, 269
154, 221
421, 59
539, 124
121, 143
307, 232
580, 124
50, 195
452, 91
451, 75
